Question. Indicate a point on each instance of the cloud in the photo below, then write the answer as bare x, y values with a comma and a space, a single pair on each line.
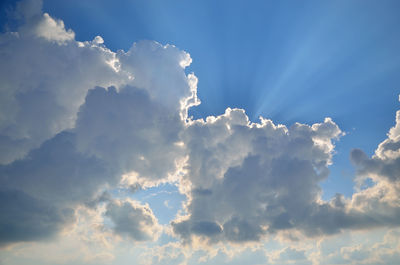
174, 253
385, 164
379, 201
77, 117
45, 75
130, 131
53, 180
372, 247
249, 179
115, 133
290, 255
87, 241
25, 218
133, 220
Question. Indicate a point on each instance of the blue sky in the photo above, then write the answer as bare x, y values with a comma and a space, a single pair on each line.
131, 160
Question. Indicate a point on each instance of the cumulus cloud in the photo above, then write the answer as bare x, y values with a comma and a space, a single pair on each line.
52, 178
385, 164
87, 241
77, 116
248, 179
129, 130
381, 200
45, 75
133, 220
25, 218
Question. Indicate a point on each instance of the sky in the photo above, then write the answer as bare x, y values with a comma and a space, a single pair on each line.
199, 132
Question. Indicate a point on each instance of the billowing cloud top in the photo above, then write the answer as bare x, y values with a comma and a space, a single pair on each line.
78, 120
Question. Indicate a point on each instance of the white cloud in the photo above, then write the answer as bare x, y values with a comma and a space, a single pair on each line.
249, 179
246, 180
54, 30
45, 75
77, 116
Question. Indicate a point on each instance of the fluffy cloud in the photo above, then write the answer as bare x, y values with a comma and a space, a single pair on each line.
381, 200
130, 131
51, 179
45, 75
25, 218
385, 164
248, 179
133, 220
76, 117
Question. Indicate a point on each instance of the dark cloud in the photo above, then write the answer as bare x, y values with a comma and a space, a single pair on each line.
25, 218
133, 220
57, 172
383, 166
40, 192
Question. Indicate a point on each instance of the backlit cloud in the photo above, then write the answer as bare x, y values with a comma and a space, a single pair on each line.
67, 134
